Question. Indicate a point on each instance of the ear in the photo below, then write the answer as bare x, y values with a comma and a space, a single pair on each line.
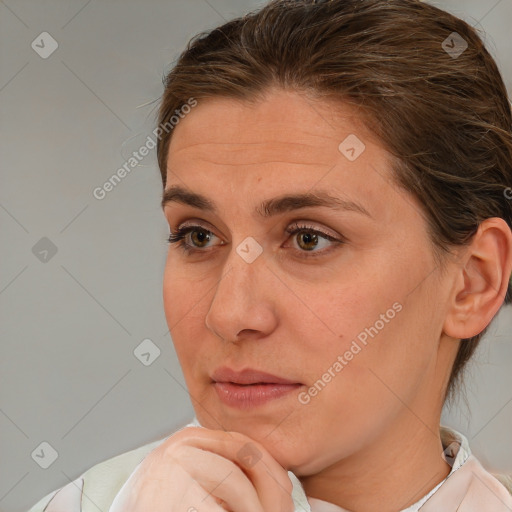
481, 280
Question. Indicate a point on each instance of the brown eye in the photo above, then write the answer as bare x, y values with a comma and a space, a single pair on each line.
309, 239
199, 236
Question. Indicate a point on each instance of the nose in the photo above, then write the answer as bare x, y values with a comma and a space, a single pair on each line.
243, 304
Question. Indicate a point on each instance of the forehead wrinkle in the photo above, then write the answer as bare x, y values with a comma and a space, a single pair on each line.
259, 153
246, 164
266, 144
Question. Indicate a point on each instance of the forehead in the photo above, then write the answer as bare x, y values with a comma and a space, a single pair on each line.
287, 143
308, 130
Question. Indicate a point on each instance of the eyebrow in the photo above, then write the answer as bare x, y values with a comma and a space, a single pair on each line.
269, 207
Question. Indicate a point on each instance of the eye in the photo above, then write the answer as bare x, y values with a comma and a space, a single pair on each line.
307, 241
309, 238
199, 234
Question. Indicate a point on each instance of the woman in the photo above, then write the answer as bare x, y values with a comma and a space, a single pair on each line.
336, 180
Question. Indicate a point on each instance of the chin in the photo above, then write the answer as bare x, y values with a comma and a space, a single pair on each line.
303, 457
290, 456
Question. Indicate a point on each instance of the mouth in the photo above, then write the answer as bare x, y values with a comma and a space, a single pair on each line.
248, 376
250, 388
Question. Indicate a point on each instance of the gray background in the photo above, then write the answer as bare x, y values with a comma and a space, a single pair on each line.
69, 326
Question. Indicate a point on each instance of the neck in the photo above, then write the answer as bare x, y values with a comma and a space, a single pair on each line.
391, 474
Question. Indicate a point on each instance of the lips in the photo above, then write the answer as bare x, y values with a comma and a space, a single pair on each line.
249, 388
247, 377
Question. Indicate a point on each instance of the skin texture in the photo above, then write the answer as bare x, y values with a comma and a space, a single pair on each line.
369, 440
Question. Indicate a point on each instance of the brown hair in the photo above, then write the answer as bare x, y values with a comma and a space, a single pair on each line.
444, 117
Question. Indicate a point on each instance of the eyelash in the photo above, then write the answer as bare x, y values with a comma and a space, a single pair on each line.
179, 236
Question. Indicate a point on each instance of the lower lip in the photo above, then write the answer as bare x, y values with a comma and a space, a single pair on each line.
246, 397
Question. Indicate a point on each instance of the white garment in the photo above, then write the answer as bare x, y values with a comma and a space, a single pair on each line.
468, 487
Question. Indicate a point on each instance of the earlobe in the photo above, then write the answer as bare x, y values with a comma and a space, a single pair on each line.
481, 281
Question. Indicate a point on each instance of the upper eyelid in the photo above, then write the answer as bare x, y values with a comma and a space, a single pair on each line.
297, 224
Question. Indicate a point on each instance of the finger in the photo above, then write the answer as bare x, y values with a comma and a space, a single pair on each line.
220, 478
269, 478
196, 499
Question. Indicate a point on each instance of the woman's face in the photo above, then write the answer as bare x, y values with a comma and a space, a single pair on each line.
355, 321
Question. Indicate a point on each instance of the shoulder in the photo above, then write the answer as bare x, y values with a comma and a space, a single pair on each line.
471, 488
505, 480
96, 488
485, 489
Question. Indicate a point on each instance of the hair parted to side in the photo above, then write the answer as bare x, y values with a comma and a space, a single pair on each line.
446, 120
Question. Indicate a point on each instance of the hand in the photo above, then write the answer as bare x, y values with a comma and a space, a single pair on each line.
200, 470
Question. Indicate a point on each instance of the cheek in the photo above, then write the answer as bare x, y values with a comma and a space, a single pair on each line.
381, 369
360, 381
172, 288
184, 312
338, 318
182, 300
